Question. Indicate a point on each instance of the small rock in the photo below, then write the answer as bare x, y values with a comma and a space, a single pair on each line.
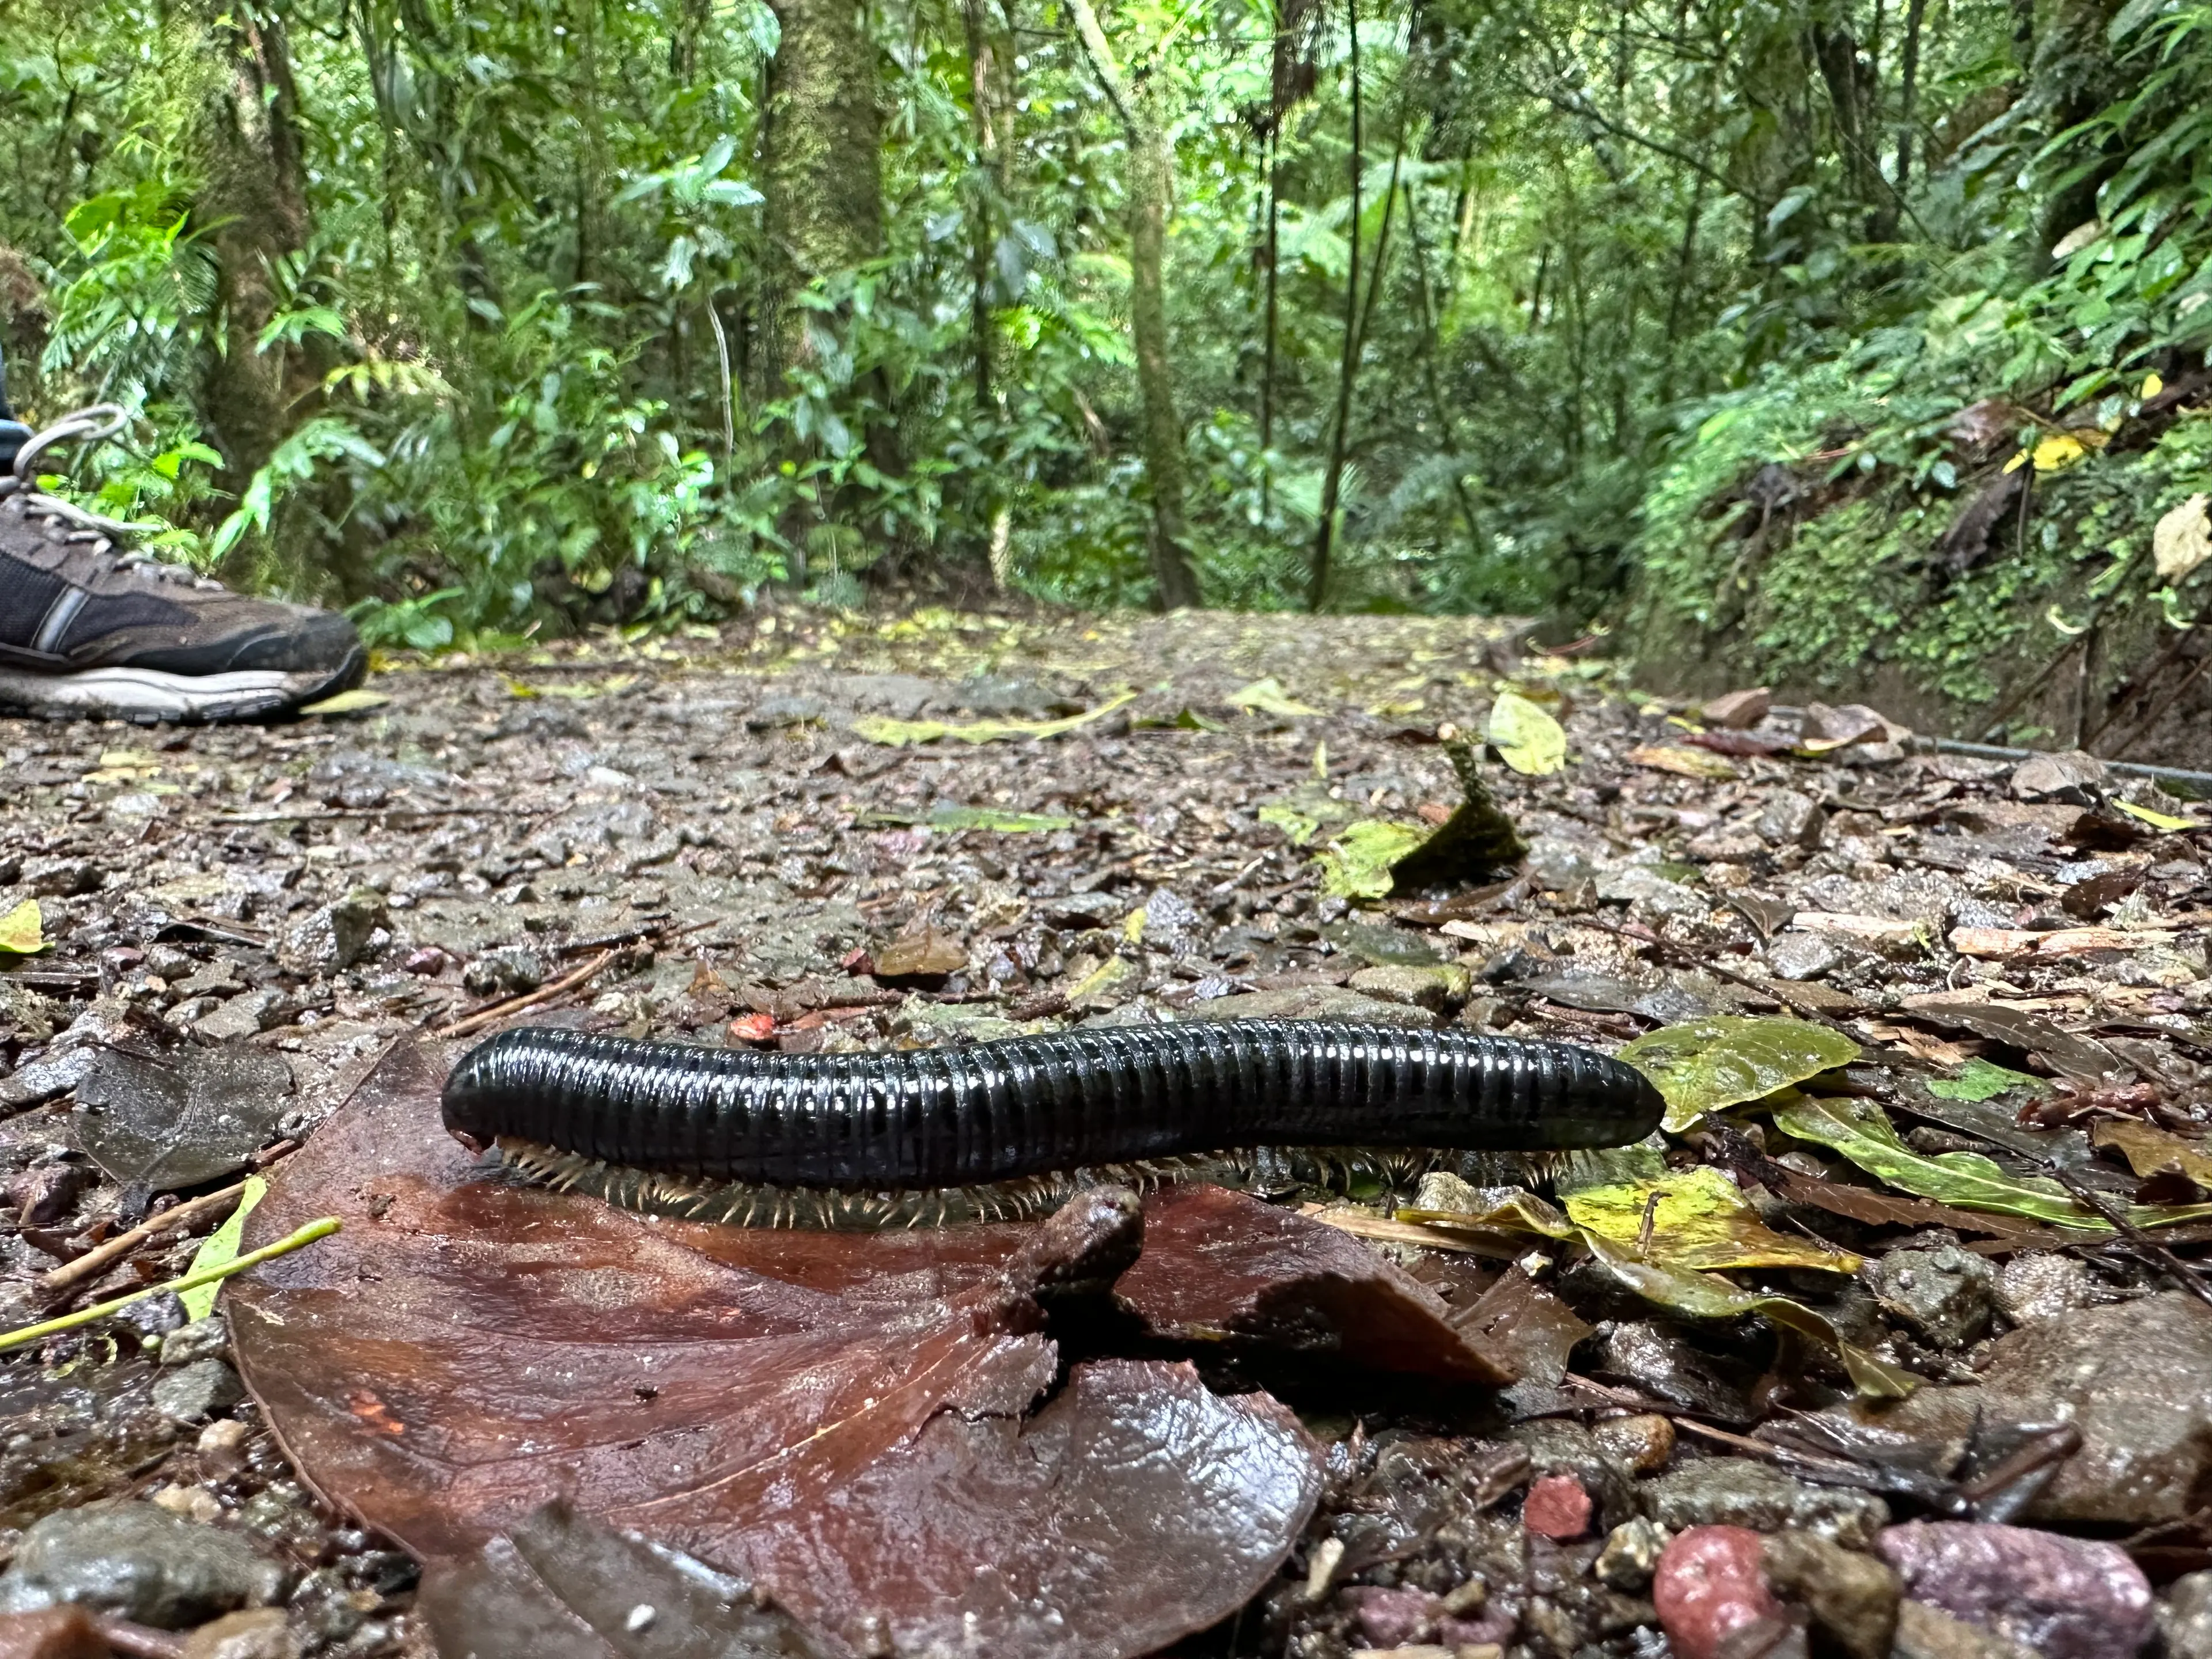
1735, 1492
1710, 1584
137, 1561
773, 712
54, 1633
1802, 956
63, 877
1445, 986
1722, 845
2045, 1286
193, 1393
2067, 1598
44, 1192
1556, 1508
193, 1503
2070, 777
1739, 711
1928, 1632
1946, 1294
1556, 865
1852, 723
1631, 1555
1643, 1442
1789, 819
1391, 1617
252, 1633
154, 1316
1648, 890
1851, 1596
426, 961
510, 972
1113, 982
335, 937
2185, 1617
241, 1016
218, 978
203, 1339
1170, 923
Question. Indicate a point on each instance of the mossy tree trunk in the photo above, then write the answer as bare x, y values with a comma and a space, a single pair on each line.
1152, 185
253, 200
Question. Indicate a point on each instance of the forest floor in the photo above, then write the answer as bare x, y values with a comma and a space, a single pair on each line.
1935, 1041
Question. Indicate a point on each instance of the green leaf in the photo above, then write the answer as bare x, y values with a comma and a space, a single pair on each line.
946, 816
897, 734
1357, 864
219, 1250
1862, 1133
1978, 1079
1699, 1295
1725, 1060
1527, 738
1297, 825
23, 930
1267, 697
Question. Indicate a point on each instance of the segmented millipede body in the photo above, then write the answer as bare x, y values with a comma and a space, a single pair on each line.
1010, 1128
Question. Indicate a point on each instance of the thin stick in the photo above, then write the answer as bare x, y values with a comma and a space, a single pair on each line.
46, 1328
72, 1273
484, 1016
2154, 1252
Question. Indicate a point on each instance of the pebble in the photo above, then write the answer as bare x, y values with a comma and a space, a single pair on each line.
1649, 891
1631, 1555
1710, 1584
504, 973
2184, 1619
53, 1633
203, 1339
2067, 1598
241, 1016
1945, 1294
1851, 1596
1438, 989
1732, 1492
333, 938
137, 1561
252, 1633
1789, 819
1643, 1442
1800, 956
193, 1393
1556, 1508
1928, 1632
2045, 1286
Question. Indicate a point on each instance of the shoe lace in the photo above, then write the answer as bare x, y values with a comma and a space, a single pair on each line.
65, 521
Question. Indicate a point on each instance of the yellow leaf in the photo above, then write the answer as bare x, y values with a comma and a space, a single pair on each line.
2152, 387
1683, 763
21, 930
1699, 1221
347, 702
219, 1250
2057, 451
2153, 1152
896, 734
1527, 738
2156, 820
2017, 462
1267, 697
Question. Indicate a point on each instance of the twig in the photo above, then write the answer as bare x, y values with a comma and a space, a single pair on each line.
72, 1273
498, 1011
46, 1327
2155, 1253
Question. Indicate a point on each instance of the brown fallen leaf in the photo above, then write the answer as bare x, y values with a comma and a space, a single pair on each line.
2151, 1151
1883, 932
836, 1417
2067, 1052
922, 954
1272, 1276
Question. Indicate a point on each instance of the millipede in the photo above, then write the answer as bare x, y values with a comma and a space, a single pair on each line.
1006, 1129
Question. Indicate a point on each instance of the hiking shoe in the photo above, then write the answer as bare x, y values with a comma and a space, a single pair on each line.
89, 627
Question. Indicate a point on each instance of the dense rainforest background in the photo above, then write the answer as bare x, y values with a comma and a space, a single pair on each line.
1849, 343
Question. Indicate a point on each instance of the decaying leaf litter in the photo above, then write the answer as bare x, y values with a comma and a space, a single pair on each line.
1893, 1344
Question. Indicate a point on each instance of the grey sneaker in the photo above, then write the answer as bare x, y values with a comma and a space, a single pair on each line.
89, 627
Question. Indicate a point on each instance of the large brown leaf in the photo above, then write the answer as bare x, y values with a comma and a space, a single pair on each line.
836, 1418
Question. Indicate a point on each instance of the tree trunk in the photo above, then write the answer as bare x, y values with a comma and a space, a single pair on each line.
821, 165
1152, 184
1348, 366
979, 239
253, 200
1908, 90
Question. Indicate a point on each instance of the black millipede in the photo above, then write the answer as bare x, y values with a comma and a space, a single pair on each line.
1009, 1128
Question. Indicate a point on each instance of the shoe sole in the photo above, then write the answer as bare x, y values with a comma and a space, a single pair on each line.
148, 697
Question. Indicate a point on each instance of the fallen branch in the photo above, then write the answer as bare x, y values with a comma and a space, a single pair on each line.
544, 993
71, 1274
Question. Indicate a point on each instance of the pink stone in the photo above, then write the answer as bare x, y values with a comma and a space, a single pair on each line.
1710, 1584
1390, 1617
1558, 1508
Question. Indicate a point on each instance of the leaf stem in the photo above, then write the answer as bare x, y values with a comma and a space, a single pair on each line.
46, 1328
